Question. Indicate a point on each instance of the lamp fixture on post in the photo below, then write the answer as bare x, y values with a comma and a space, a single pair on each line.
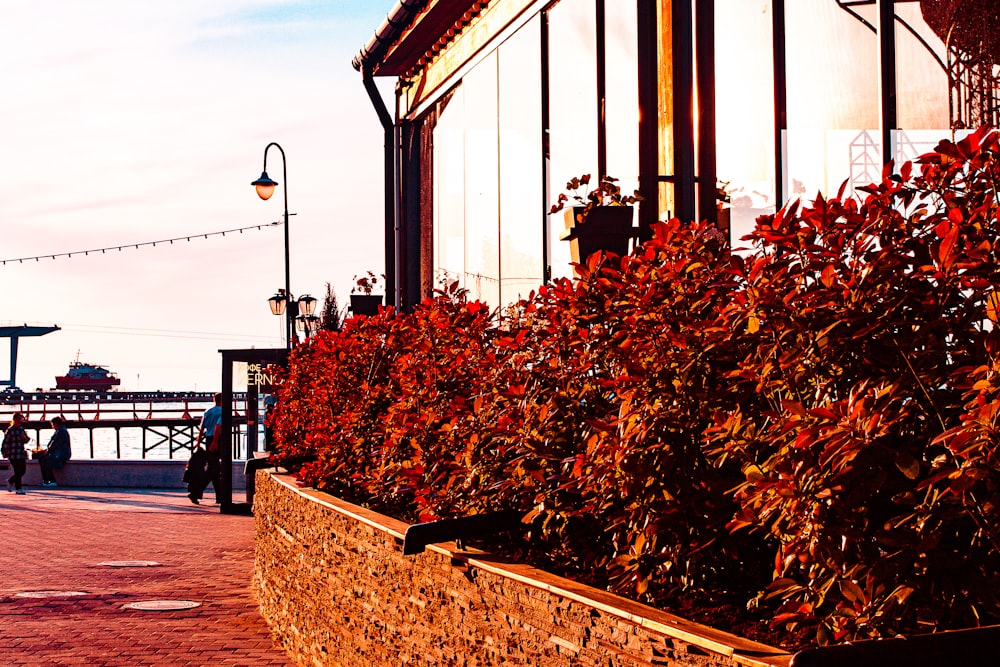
305, 306
265, 188
277, 303
307, 324
300, 311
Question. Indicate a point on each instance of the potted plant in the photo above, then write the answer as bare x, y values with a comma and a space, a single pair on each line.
600, 220
366, 296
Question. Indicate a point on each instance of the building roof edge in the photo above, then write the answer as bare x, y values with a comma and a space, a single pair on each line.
398, 20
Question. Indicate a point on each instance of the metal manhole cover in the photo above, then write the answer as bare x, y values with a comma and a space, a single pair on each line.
130, 563
51, 594
162, 605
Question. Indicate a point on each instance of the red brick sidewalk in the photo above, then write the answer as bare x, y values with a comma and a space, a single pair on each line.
56, 539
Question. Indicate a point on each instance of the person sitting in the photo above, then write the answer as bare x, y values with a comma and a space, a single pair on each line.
54, 457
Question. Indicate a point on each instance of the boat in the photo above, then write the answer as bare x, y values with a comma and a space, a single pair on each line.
82, 376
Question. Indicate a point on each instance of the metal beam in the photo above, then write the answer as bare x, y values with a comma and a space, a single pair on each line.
649, 135
682, 37
390, 181
602, 92
14, 333
887, 79
780, 99
705, 69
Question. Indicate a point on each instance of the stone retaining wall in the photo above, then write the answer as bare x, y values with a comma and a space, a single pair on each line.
335, 588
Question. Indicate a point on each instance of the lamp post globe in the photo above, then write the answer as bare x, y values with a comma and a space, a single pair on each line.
307, 305
277, 303
264, 186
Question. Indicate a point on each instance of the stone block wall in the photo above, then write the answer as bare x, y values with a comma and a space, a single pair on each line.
335, 588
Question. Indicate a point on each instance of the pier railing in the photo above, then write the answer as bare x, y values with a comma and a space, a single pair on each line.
123, 425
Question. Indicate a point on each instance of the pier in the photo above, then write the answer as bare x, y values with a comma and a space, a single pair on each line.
167, 422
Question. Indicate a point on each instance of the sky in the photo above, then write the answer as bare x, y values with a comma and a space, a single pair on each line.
131, 122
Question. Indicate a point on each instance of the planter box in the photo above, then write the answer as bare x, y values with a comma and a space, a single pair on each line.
365, 304
607, 228
336, 589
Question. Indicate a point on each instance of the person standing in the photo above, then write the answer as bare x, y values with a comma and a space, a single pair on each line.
269, 402
13, 450
209, 432
54, 457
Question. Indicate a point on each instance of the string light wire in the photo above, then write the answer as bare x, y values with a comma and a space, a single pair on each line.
37, 258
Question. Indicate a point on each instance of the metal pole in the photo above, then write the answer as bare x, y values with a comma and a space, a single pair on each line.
707, 177
13, 362
224, 494
390, 176
602, 94
289, 329
682, 42
649, 128
780, 100
887, 69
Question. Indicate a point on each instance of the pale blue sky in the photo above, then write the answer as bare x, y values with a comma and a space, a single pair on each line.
127, 122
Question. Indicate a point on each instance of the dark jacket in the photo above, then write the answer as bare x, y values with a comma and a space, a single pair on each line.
59, 450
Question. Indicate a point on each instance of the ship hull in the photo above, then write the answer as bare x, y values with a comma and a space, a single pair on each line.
86, 384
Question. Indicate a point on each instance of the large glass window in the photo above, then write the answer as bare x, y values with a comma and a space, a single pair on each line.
488, 184
921, 85
622, 91
833, 99
496, 173
482, 197
744, 111
522, 203
572, 109
921, 76
449, 189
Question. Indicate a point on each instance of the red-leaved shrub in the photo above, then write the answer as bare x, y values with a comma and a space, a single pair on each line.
810, 424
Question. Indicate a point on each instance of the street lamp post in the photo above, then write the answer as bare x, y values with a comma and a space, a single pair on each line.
265, 188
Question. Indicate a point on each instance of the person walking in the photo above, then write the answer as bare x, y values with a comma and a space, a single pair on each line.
13, 450
59, 451
209, 431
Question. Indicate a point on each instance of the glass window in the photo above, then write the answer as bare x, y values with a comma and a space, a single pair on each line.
572, 109
482, 202
921, 85
522, 199
449, 189
622, 91
745, 110
833, 98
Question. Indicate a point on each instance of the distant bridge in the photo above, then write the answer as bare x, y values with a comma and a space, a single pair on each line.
9, 397
166, 419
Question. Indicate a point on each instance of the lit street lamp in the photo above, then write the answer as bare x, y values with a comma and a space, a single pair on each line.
300, 311
265, 188
307, 324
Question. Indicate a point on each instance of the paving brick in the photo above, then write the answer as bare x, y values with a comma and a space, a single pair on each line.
54, 540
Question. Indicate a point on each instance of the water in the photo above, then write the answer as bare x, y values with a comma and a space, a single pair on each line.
127, 444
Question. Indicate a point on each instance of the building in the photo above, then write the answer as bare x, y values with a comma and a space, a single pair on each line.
717, 109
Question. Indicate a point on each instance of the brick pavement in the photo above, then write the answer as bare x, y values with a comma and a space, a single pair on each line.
55, 540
